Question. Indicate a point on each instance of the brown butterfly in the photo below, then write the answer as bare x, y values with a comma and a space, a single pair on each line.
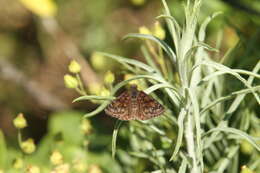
134, 105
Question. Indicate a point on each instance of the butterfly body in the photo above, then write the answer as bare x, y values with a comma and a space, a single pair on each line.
134, 105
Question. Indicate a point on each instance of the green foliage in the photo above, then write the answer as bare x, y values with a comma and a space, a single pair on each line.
63, 123
208, 125
3, 151
66, 136
201, 129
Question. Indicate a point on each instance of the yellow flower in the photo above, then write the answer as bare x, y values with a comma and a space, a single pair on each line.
56, 158
245, 169
70, 81
94, 169
64, 168
138, 2
86, 126
43, 8
79, 166
94, 88
158, 31
132, 82
139, 82
246, 147
18, 163
20, 122
98, 61
74, 67
28, 146
104, 92
33, 169
144, 30
109, 77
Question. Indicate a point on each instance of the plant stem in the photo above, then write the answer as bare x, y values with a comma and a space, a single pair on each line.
19, 137
81, 88
190, 143
80, 91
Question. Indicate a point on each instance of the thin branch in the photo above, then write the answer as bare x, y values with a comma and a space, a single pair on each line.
43, 97
70, 50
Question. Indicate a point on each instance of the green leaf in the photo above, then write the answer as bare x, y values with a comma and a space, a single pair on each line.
208, 47
180, 133
97, 110
196, 113
114, 137
149, 59
133, 62
240, 133
174, 27
193, 50
93, 97
240, 97
164, 45
163, 85
67, 123
230, 96
227, 70
202, 31
183, 166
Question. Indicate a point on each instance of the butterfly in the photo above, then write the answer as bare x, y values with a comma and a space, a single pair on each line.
134, 105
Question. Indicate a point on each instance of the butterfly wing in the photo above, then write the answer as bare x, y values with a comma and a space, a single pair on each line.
148, 107
119, 108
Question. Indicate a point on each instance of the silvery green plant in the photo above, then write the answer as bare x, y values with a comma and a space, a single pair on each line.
193, 92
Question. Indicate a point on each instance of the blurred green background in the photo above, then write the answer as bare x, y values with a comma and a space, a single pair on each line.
38, 39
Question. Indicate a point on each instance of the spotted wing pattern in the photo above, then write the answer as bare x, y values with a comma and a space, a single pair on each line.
134, 105
119, 108
148, 107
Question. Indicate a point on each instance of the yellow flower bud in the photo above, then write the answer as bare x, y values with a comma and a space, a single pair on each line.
43, 8
158, 31
20, 122
94, 88
94, 169
109, 77
132, 82
144, 30
70, 81
79, 166
98, 61
28, 146
104, 92
33, 169
140, 84
138, 2
56, 158
74, 67
86, 126
18, 163
246, 147
64, 168
245, 169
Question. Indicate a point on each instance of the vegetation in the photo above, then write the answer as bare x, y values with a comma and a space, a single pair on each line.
210, 93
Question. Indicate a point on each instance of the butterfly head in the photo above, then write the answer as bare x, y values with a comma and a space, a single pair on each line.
133, 91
